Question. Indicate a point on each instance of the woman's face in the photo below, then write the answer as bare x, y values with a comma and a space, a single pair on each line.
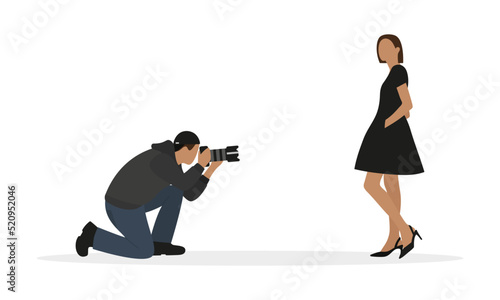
387, 51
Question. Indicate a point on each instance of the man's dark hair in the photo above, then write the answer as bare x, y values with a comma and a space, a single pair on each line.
185, 138
178, 147
163, 147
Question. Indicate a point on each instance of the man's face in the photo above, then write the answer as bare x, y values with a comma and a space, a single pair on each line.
191, 154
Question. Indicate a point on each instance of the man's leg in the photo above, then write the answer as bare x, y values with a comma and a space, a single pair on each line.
170, 200
132, 223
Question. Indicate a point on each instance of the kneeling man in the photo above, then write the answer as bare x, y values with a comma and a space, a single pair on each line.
150, 180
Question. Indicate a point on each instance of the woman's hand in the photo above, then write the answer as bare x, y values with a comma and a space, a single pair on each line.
404, 108
389, 123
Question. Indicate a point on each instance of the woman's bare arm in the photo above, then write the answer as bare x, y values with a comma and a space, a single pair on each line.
404, 109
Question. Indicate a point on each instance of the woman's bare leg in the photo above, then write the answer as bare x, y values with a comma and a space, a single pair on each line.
372, 186
391, 183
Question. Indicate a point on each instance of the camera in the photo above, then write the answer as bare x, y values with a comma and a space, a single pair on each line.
229, 154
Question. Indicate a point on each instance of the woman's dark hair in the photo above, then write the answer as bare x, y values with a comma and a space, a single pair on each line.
395, 41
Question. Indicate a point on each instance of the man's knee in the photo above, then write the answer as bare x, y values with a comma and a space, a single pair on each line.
147, 250
177, 190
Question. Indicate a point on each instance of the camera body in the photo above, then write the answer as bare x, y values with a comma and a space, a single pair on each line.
229, 154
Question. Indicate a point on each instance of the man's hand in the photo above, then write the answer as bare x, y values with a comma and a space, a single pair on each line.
213, 166
204, 157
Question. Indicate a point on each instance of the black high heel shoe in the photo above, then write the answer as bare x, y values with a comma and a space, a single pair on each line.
409, 247
386, 253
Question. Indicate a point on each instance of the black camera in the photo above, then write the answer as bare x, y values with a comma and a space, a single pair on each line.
229, 154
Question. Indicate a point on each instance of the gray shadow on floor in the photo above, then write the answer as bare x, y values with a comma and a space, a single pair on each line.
255, 258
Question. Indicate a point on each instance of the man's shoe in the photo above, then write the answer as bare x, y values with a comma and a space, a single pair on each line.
168, 249
86, 239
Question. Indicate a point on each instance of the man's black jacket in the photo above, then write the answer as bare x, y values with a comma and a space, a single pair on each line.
148, 173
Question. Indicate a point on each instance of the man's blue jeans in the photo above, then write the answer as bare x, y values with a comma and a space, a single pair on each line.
137, 240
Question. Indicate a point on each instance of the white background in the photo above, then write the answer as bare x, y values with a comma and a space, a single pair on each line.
228, 75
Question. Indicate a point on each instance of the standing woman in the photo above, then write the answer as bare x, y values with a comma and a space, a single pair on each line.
388, 149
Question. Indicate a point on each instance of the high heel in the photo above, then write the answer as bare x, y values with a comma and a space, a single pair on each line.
410, 246
386, 253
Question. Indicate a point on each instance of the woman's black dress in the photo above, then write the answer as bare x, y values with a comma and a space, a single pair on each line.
389, 150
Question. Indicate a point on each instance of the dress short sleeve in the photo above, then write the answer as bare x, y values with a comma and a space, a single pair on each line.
400, 76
